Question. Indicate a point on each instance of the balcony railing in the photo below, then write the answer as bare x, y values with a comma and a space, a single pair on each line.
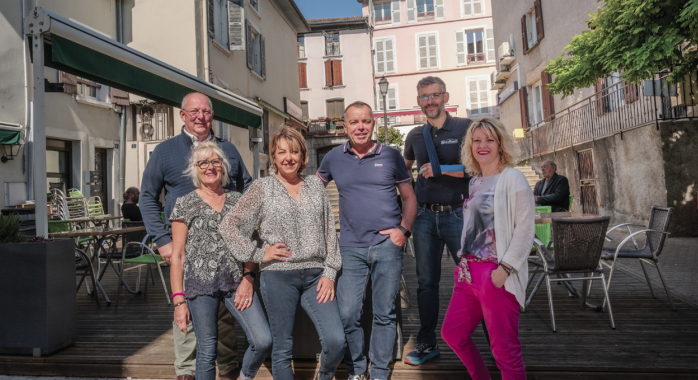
614, 110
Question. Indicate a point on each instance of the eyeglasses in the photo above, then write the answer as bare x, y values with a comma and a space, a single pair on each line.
195, 112
216, 162
435, 95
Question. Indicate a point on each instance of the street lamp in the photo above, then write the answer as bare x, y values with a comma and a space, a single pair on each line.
383, 85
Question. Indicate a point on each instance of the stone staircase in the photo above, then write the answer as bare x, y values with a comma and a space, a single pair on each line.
530, 174
333, 194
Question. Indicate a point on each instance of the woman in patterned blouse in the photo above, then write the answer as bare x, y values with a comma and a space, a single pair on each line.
203, 264
299, 258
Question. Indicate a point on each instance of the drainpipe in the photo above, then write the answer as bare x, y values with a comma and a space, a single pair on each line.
122, 150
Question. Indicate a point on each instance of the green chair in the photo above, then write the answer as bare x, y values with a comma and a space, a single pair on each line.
571, 202
138, 253
543, 229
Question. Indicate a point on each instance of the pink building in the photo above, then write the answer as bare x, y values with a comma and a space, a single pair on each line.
451, 39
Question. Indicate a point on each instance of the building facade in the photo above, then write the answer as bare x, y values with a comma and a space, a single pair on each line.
451, 39
616, 142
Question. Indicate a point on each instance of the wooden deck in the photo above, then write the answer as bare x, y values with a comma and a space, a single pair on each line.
650, 341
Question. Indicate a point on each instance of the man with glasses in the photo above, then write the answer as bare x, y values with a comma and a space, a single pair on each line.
441, 188
164, 170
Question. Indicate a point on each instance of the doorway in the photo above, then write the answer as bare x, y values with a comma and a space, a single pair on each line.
587, 182
100, 187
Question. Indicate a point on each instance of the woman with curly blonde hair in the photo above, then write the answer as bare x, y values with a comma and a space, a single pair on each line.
498, 230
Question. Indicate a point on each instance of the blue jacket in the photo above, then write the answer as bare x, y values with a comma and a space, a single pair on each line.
165, 170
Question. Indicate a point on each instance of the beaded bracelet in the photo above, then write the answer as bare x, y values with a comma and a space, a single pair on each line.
508, 270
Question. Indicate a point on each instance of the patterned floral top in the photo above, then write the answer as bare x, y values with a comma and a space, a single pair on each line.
209, 265
307, 226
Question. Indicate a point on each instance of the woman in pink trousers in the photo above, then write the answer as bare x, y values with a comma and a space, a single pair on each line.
498, 231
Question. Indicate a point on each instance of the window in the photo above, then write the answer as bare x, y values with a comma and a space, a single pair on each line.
391, 97
472, 7
532, 26
220, 19
222, 130
474, 46
87, 88
478, 96
301, 47
256, 60
255, 5
385, 55
335, 108
303, 74
332, 44
532, 36
58, 163
333, 73
425, 10
428, 48
304, 107
535, 104
382, 12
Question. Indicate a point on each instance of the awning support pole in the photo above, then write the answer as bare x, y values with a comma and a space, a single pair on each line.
36, 26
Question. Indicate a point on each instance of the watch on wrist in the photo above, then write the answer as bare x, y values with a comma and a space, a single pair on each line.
253, 275
405, 231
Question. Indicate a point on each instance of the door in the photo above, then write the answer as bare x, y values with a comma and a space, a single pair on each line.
587, 182
100, 187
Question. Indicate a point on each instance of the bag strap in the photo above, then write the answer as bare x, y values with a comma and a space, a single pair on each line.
431, 151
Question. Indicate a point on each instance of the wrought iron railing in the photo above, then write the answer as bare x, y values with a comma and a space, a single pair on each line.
616, 109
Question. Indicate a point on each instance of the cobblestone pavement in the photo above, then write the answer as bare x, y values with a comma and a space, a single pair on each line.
679, 263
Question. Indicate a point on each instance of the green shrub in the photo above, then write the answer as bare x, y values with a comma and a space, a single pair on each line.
9, 230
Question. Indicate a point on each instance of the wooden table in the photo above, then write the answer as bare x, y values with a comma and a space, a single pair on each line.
104, 236
548, 217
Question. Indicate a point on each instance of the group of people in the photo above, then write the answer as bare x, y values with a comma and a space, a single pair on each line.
220, 226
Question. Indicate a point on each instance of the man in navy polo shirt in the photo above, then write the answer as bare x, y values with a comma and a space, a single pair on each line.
373, 232
440, 198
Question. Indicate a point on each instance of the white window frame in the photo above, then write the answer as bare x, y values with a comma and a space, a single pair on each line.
390, 15
221, 25
257, 50
255, 10
535, 106
487, 89
484, 42
305, 53
471, 5
438, 50
324, 45
375, 47
379, 97
436, 17
531, 28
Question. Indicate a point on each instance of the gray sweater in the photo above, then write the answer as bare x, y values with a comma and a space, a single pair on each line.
306, 227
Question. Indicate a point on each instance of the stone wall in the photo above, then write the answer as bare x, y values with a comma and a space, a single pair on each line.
680, 149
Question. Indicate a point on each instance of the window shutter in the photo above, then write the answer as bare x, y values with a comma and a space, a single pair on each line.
423, 56
250, 45
411, 11
548, 102
118, 97
236, 33
337, 72
539, 20
395, 14
467, 8
262, 56
433, 52
483, 92
209, 19
392, 102
303, 74
599, 87
379, 97
524, 107
328, 73
439, 8
70, 82
389, 56
477, 6
460, 48
523, 34
489, 35
380, 57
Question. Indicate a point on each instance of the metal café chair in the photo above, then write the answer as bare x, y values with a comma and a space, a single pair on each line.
578, 244
655, 236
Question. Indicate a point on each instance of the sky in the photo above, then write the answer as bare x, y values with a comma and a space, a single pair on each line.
329, 8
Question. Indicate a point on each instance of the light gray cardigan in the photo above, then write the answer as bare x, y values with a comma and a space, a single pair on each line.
514, 228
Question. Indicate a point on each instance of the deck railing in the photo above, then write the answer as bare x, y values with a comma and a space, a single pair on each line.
616, 109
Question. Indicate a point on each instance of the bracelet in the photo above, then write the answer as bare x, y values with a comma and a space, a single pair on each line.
252, 275
180, 303
178, 294
508, 270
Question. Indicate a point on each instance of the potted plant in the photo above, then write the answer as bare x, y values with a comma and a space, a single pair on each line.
39, 312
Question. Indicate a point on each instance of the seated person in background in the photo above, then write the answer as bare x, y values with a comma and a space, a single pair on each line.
553, 190
130, 209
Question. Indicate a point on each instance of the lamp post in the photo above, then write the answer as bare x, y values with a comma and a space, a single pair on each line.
383, 85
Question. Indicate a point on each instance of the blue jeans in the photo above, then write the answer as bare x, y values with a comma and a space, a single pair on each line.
431, 230
382, 263
282, 291
204, 317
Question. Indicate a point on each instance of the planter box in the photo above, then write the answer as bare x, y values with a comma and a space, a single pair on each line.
39, 303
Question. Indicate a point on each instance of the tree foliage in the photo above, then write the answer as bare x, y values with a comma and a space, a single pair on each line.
636, 37
394, 135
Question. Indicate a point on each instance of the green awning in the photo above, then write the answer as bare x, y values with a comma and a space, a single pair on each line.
8, 137
74, 58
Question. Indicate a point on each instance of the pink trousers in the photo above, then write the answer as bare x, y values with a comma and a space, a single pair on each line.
469, 304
